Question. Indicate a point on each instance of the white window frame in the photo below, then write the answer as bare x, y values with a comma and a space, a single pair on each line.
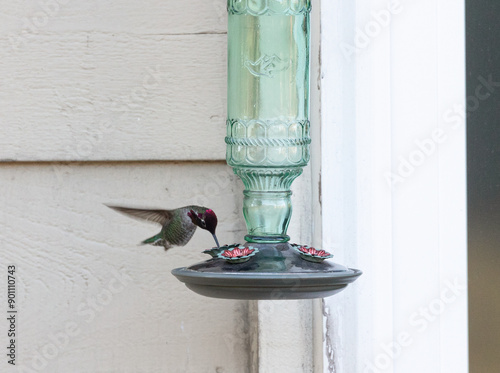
404, 85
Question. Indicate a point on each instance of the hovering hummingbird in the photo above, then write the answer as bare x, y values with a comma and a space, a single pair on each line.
178, 225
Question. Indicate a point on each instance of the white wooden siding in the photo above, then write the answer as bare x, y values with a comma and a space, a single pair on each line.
98, 82
131, 95
69, 248
112, 81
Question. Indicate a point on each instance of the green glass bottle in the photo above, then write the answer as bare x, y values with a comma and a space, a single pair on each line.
268, 108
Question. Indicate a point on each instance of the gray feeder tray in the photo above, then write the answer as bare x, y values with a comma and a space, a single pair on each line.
277, 271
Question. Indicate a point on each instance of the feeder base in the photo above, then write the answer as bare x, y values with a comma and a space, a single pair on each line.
276, 272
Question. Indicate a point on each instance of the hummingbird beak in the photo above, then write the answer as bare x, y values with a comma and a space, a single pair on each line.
216, 241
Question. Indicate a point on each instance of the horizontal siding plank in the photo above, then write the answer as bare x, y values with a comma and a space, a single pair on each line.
26, 18
83, 96
69, 248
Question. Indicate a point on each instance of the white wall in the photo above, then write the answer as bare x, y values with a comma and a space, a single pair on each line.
132, 96
99, 80
123, 102
114, 81
69, 249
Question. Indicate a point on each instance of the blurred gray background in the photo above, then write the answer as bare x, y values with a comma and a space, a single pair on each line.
483, 60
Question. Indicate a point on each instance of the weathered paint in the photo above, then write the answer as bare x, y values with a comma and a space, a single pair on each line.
117, 87
79, 263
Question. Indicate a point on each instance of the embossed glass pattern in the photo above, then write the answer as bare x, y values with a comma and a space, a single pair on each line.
268, 108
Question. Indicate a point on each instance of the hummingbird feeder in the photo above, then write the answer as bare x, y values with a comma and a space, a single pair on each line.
268, 137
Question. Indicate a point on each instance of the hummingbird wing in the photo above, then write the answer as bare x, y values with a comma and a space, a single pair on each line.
161, 217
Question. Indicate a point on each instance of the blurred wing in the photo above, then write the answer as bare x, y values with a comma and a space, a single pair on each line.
161, 217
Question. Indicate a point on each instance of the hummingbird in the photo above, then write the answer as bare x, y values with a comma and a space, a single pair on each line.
178, 225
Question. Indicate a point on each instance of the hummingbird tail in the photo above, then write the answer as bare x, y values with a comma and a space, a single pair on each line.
156, 240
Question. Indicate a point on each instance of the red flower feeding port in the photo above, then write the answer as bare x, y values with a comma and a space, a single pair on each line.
237, 253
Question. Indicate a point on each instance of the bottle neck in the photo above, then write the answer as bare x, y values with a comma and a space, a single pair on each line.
267, 215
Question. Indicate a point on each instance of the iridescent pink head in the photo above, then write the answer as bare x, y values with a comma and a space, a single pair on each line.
210, 221
206, 220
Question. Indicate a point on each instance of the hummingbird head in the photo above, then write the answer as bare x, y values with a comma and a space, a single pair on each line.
206, 220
